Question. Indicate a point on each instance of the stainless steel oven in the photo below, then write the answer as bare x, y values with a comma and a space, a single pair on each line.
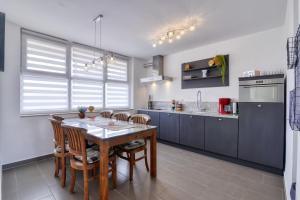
263, 89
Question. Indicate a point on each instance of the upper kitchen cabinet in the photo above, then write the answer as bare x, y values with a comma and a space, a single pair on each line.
169, 127
261, 133
201, 74
192, 131
221, 136
154, 118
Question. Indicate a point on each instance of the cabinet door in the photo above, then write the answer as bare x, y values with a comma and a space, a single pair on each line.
192, 131
169, 127
142, 112
154, 120
221, 136
261, 133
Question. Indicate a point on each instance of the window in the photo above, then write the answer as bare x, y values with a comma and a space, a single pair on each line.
87, 85
40, 94
116, 87
54, 78
44, 83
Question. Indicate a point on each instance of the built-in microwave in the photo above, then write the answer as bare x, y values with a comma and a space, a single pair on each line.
262, 89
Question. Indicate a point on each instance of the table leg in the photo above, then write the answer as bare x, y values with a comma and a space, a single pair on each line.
153, 153
104, 149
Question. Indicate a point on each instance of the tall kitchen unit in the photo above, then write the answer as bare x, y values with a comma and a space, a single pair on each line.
262, 121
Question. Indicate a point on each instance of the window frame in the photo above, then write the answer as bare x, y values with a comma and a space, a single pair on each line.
25, 33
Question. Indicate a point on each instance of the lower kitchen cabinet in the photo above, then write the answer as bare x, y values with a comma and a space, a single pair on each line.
221, 136
262, 133
154, 118
192, 131
169, 127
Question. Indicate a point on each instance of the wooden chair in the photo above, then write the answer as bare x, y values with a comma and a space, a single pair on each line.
61, 149
106, 113
84, 159
135, 146
122, 116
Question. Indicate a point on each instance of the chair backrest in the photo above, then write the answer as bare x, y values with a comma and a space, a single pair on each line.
122, 116
140, 119
76, 139
59, 137
106, 113
58, 118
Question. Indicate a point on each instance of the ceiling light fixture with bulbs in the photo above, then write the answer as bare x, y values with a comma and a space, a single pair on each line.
174, 34
106, 57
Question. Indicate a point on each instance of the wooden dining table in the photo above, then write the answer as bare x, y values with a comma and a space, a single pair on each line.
109, 133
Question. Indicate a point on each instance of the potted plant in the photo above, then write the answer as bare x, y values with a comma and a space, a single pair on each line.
82, 110
219, 61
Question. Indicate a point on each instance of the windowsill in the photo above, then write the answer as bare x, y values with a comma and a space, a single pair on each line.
70, 113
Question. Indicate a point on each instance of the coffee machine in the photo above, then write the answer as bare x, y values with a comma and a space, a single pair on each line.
224, 103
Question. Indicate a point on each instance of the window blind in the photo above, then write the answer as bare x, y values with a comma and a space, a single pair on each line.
44, 56
81, 56
86, 93
116, 95
41, 94
117, 71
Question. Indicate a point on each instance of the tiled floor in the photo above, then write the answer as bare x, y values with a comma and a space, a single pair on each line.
181, 175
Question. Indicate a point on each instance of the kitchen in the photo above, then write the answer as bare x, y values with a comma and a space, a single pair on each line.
217, 92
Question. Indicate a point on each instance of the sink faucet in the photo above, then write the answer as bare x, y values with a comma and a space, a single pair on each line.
199, 101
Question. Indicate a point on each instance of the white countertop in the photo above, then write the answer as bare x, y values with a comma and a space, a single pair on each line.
209, 114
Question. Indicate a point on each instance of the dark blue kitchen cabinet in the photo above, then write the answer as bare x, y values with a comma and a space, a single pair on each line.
192, 131
262, 134
154, 118
169, 127
221, 136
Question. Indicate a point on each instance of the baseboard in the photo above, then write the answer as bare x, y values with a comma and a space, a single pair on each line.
24, 162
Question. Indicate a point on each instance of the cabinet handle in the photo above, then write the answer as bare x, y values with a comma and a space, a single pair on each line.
191, 116
259, 106
220, 119
168, 114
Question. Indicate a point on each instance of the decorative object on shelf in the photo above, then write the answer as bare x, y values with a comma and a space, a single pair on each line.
219, 60
204, 73
175, 32
105, 57
187, 67
82, 110
211, 62
91, 108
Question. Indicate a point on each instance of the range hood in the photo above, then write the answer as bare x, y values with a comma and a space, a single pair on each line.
157, 71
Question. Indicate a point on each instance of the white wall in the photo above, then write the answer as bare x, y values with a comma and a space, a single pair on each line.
139, 91
263, 51
22, 137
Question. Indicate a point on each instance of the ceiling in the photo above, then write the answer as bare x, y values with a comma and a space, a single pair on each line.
129, 25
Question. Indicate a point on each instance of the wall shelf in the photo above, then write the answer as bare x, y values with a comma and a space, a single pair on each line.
201, 68
200, 78
213, 79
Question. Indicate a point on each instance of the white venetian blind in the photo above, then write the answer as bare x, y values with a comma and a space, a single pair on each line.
43, 94
117, 71
81, 56
116, 95
86, 93
44, 56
